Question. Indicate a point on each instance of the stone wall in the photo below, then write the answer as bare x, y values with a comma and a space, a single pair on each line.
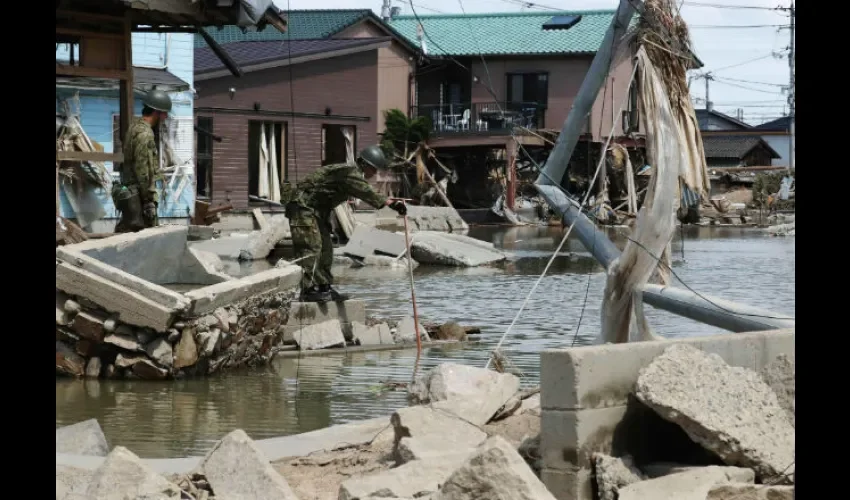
91, 342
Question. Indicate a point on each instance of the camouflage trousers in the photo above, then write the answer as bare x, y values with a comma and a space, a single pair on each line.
311, 242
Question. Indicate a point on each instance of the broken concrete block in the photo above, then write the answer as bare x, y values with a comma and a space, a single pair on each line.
613, 473
387, 261
123, 341
261, 243
68, 362
198, 233
71, 482
476, 393
431, 447
453, 250
372, 335
209, 298
236, 469
737, 491
728, 410
123, 475
368, 240
733, 474
423, 423
493, 472
186, 351
689, 485
320, 336
209, 341
160, 351
89, 325
260, 221
414, 479
427, 218
198, 267
82, 438
130, 307
406, 331
780, 375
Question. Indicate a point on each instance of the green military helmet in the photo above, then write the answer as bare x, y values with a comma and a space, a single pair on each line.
374, 155
158, 100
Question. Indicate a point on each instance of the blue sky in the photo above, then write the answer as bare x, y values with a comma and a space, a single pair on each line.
736, 39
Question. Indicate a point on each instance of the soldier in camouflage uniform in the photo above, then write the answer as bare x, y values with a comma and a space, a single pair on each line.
137, 197
309, 214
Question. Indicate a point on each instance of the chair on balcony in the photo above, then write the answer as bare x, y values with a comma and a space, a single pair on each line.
463, 123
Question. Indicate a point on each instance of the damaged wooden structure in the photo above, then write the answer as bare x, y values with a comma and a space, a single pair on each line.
99, 33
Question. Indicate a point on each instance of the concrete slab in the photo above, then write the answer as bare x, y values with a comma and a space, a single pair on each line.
199, 233
424, 218
431, 247
201, 268
604, 376
131, 307
130, 252
372, 335
367, 240
319, 335
207, 299
226, 247
152, 291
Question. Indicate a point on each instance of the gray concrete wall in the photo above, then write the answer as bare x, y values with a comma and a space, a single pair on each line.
587, 403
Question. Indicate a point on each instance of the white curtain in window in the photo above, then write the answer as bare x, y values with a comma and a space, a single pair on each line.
348, 132
274, 174
263, 170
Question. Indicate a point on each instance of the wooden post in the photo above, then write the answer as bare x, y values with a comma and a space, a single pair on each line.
511, 184
126, 85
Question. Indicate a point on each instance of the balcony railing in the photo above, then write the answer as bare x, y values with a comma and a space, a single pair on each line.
482, 117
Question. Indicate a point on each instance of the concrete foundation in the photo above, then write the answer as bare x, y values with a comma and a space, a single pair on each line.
587, 405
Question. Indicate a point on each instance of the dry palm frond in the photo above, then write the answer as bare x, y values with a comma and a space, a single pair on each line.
664, 35
420, 165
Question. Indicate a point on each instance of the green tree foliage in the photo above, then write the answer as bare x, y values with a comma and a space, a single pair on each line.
766, 184
401, 131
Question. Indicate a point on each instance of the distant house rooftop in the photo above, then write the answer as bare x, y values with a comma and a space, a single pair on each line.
703, 116
146, 78
779, 125
730, 146
248, 54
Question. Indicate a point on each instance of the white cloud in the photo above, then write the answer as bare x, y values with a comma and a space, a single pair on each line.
716, 47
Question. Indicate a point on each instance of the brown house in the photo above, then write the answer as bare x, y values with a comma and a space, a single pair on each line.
329, 78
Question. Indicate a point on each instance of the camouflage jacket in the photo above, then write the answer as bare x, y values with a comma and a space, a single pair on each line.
141, 162
331, 185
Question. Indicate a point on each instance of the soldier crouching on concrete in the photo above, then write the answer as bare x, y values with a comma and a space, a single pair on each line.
309, 214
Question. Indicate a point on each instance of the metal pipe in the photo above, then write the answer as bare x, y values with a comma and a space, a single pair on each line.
704, 308
559, 158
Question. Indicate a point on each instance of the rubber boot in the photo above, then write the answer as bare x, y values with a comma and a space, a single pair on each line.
313, 294
335, 296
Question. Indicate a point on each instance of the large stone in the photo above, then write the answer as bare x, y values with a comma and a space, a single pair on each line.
780, 375
210, 341
367, 241
613, 473
453, 250
126, 342
737, 491
186, 351
689, 485
728, 410
424, 425
476, 393
372, 335
320, 336
68, 362
237, 470
160, 351
89, 325
123, 475
733, 474
431, 447
414, 479
495, 471
148, 370
406, 331
71, 482
93, 367
82, 438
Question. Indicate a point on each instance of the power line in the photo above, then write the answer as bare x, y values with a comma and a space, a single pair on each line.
748, 61
732, 84
730, 6
736, 26
757, 83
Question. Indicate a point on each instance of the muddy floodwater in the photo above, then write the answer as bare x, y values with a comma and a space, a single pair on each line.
180, 418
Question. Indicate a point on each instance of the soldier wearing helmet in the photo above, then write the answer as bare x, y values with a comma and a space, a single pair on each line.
309, 217
137, 197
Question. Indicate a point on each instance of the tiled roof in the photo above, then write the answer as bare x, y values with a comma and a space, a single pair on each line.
155, 76
249, 53
302, 25
506, 33
703, 116
779, 125
732, 146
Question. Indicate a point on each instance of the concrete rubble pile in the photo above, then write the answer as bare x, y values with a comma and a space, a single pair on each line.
249, 245
743, 419
115, 319
436, 450
371, 246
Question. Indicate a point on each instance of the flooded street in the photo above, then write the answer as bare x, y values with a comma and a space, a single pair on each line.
186, 417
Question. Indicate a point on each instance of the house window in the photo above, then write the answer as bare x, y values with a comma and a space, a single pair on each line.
204, 148
631, 116
267, 166
530, 88
339, 142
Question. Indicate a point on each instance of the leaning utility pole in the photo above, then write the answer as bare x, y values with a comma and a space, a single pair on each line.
708, 79
791, 94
